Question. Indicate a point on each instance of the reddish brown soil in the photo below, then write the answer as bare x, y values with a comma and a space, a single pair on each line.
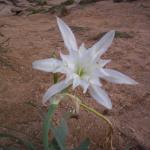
37, 37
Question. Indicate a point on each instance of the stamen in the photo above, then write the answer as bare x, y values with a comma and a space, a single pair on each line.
80, 71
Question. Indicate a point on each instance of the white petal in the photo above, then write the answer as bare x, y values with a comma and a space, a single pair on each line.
103, 62
76, 81
103, 44
103, 72
118, 77
68, 61
100, 72
68, 36
54, 89
95, 81
84, 84
65, 58
82, 49
47, 65
100, 96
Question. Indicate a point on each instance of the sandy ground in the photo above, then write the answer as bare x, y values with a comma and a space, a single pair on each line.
28, 38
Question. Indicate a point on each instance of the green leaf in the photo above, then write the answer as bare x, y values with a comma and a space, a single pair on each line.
128, 147
2, 147
60, 133
46, 125
84, 145
54, 145
26, 143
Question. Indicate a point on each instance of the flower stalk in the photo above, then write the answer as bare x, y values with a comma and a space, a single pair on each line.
108, 138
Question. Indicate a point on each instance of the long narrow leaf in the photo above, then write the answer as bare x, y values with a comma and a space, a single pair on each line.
60, 133
54, 145
7, 148
84, 145
26, 143
46, 125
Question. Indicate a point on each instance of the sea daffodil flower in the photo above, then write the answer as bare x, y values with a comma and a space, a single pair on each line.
82, 67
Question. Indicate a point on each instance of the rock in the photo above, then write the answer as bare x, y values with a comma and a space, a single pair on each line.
12, 7
5, 10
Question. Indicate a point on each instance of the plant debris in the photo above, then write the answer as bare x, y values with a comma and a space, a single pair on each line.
83, 2
118, 34
68, 2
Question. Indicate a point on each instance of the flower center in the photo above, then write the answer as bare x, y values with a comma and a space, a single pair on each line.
80, 71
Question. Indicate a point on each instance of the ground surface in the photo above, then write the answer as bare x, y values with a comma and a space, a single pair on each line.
30, 37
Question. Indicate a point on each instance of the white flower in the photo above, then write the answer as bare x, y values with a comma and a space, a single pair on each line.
82, 67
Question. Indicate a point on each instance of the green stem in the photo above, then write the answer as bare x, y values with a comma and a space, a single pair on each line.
55, 78
55, 75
